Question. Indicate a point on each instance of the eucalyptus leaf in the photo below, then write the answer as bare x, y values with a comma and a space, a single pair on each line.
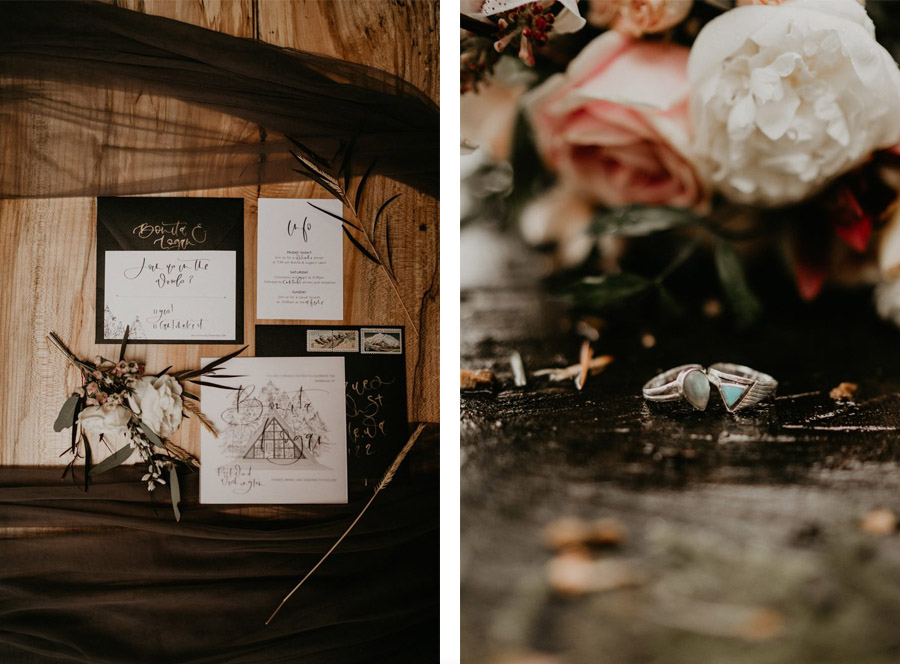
640, 220
115, 459
175, 491
744, 304
151, 435
607, 291
67, 414
668, 305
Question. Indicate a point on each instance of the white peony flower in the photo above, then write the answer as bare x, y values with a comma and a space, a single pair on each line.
785, 98
887, 292
96, 420
158, 403
887, 300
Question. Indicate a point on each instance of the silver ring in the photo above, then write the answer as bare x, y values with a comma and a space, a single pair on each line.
740, 386
688, 382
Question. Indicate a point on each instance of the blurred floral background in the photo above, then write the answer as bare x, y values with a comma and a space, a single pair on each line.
673, 157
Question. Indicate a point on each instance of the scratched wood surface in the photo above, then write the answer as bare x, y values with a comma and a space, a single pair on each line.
745, 541
47, 245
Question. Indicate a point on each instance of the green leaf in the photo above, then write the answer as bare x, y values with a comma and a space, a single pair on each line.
208, 384
744, 304
175, 491
67, 414
124, 343
88, 461
184, 375
336, 216
640, 220
115, 459
607, 291
381, 211
529, 174
365, 252
151, 435
362, 184
668, 305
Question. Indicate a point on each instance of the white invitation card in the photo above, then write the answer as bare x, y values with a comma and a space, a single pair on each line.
170, 295
300, 260
281, 432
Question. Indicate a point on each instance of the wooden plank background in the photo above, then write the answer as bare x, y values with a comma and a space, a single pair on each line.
47, 245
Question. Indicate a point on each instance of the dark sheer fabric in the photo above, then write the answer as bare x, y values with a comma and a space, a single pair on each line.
145, 104
109, 576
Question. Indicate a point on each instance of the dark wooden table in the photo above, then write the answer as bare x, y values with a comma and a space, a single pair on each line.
744, 531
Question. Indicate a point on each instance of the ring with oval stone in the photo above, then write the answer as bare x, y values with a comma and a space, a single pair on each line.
688, 382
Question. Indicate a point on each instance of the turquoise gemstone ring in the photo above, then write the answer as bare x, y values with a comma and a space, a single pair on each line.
740, 386
688, 382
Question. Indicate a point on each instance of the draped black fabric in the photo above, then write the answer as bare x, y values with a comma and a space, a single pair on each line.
109, 576
98, 100
86, 65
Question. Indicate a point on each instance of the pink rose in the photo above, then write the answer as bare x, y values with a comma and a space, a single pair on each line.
615, 125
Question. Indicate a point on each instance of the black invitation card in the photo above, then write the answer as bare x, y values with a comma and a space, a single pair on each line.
375, 374
170, 269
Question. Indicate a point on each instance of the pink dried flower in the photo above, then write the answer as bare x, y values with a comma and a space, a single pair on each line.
91, 388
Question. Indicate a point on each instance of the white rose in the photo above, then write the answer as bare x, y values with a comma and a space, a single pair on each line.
785, 98
96, 420
158, 403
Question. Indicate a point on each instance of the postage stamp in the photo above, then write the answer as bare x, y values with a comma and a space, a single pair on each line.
332, 341
382, 341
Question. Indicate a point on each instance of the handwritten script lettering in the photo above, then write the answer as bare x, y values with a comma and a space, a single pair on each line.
365, 422
304, 228
171, 235
175, 273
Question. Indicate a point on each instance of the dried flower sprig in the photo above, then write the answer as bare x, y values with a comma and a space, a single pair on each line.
385, 480
110, 401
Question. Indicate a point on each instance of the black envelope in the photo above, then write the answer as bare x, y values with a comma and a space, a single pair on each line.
170, 224
375, 373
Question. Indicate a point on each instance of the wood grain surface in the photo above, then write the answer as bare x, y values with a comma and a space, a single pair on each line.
47, 246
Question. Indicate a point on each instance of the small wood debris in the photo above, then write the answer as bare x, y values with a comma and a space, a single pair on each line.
527, 657
572, 532
518, 369
595, 366
712, 308
608, 532
880, 522
483, 379
586, 354
762, 625
648, 340
589, 327
844, 391
573, 572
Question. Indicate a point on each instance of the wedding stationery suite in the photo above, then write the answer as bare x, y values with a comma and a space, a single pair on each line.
171, 270
300, 260
281, 436
375, 369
